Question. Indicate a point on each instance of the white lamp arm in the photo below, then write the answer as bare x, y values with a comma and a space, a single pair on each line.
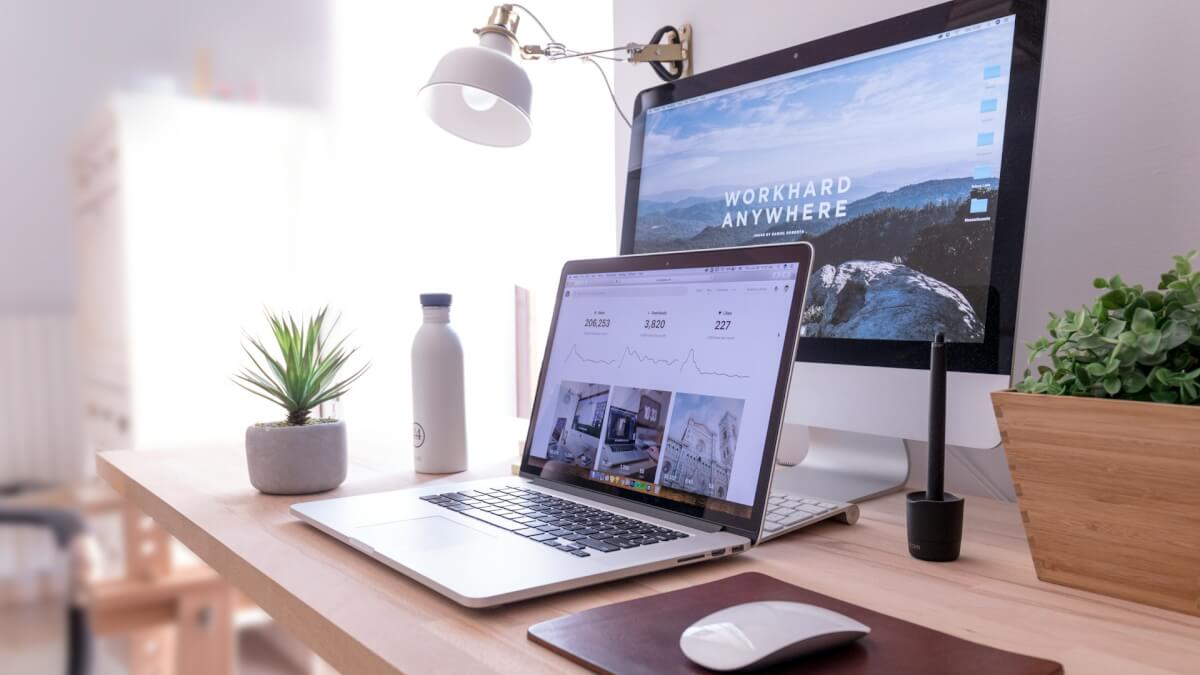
671, 60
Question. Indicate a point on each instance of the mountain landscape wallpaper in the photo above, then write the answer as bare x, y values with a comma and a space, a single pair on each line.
888, 165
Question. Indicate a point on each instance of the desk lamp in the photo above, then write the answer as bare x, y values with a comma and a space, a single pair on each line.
483, 95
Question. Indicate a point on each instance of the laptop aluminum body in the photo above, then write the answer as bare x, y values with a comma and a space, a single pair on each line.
694, 349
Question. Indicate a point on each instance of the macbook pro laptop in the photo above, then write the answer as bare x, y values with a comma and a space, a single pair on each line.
651, 442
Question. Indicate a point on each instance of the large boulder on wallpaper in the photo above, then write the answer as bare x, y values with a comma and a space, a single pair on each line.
877, 300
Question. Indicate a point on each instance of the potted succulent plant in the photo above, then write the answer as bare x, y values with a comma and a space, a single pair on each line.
301, 454
1103, 442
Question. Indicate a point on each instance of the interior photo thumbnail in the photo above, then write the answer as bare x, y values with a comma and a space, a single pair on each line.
578, 419
701, 444
633, 437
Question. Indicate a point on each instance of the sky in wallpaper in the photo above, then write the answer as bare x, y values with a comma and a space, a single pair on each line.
888, 120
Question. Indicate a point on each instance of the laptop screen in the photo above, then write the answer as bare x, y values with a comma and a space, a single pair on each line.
663, 381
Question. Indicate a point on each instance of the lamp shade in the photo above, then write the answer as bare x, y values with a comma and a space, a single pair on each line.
481, 94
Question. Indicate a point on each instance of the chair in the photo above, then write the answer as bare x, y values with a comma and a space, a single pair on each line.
70, 536
179, 619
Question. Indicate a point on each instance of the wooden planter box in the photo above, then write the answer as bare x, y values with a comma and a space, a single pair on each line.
1109, 493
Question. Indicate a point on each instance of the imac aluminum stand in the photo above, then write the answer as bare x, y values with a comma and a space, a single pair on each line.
840, 465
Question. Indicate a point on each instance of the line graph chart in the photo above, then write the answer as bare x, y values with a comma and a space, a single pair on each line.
630, 355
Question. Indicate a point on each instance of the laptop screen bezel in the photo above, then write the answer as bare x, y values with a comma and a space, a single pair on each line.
799, 253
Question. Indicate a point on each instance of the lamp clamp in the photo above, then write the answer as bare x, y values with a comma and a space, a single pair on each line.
675, 53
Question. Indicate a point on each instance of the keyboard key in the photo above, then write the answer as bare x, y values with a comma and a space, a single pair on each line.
602, 546
552, 543
798, 517
528, 532
560, 532
580, 553
571, 537
543, 537
493, 519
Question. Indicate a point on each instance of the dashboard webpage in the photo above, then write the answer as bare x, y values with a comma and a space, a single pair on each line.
662, 382
888, 162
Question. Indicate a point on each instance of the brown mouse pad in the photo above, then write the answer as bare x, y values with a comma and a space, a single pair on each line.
642, 636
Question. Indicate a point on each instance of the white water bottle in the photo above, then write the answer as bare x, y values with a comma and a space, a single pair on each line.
439, 412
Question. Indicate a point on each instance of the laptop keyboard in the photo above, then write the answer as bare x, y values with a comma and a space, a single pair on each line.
568, 526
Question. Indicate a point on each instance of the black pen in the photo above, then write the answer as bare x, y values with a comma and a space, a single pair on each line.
937, 418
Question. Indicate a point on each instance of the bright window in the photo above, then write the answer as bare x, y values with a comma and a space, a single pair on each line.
424, 211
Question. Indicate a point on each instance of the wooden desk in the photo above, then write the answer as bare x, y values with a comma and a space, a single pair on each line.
362, 617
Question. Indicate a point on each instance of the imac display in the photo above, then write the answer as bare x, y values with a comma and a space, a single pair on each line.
901, 151
887, 161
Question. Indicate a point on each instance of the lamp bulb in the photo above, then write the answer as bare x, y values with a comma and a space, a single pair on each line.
478, 99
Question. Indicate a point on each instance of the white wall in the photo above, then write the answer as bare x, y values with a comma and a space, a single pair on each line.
1116, 157
58, 58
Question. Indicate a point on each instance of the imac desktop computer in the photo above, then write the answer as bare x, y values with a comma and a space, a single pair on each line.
901, 150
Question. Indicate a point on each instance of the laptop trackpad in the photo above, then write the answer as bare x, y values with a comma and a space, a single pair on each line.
418, 534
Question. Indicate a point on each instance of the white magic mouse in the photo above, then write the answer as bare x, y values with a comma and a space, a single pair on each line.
758, 634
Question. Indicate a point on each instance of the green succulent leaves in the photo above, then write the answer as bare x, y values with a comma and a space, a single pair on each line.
1131, 343
304, 375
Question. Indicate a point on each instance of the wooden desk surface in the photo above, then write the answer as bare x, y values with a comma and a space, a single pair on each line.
362, 617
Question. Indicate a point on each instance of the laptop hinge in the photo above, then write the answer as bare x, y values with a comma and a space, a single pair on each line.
653, 511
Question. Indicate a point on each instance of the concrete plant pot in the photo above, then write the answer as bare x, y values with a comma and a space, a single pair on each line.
296, 460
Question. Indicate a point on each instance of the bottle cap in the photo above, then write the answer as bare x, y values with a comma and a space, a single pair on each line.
435, 299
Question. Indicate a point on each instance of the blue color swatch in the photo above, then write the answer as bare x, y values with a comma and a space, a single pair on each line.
982, 172
991, 72
985, 138
987, 105
979, 205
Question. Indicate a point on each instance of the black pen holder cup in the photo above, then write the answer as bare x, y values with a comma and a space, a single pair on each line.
934, 527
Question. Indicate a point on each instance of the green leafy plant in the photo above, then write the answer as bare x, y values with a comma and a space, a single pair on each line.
305, 374
1131, 343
